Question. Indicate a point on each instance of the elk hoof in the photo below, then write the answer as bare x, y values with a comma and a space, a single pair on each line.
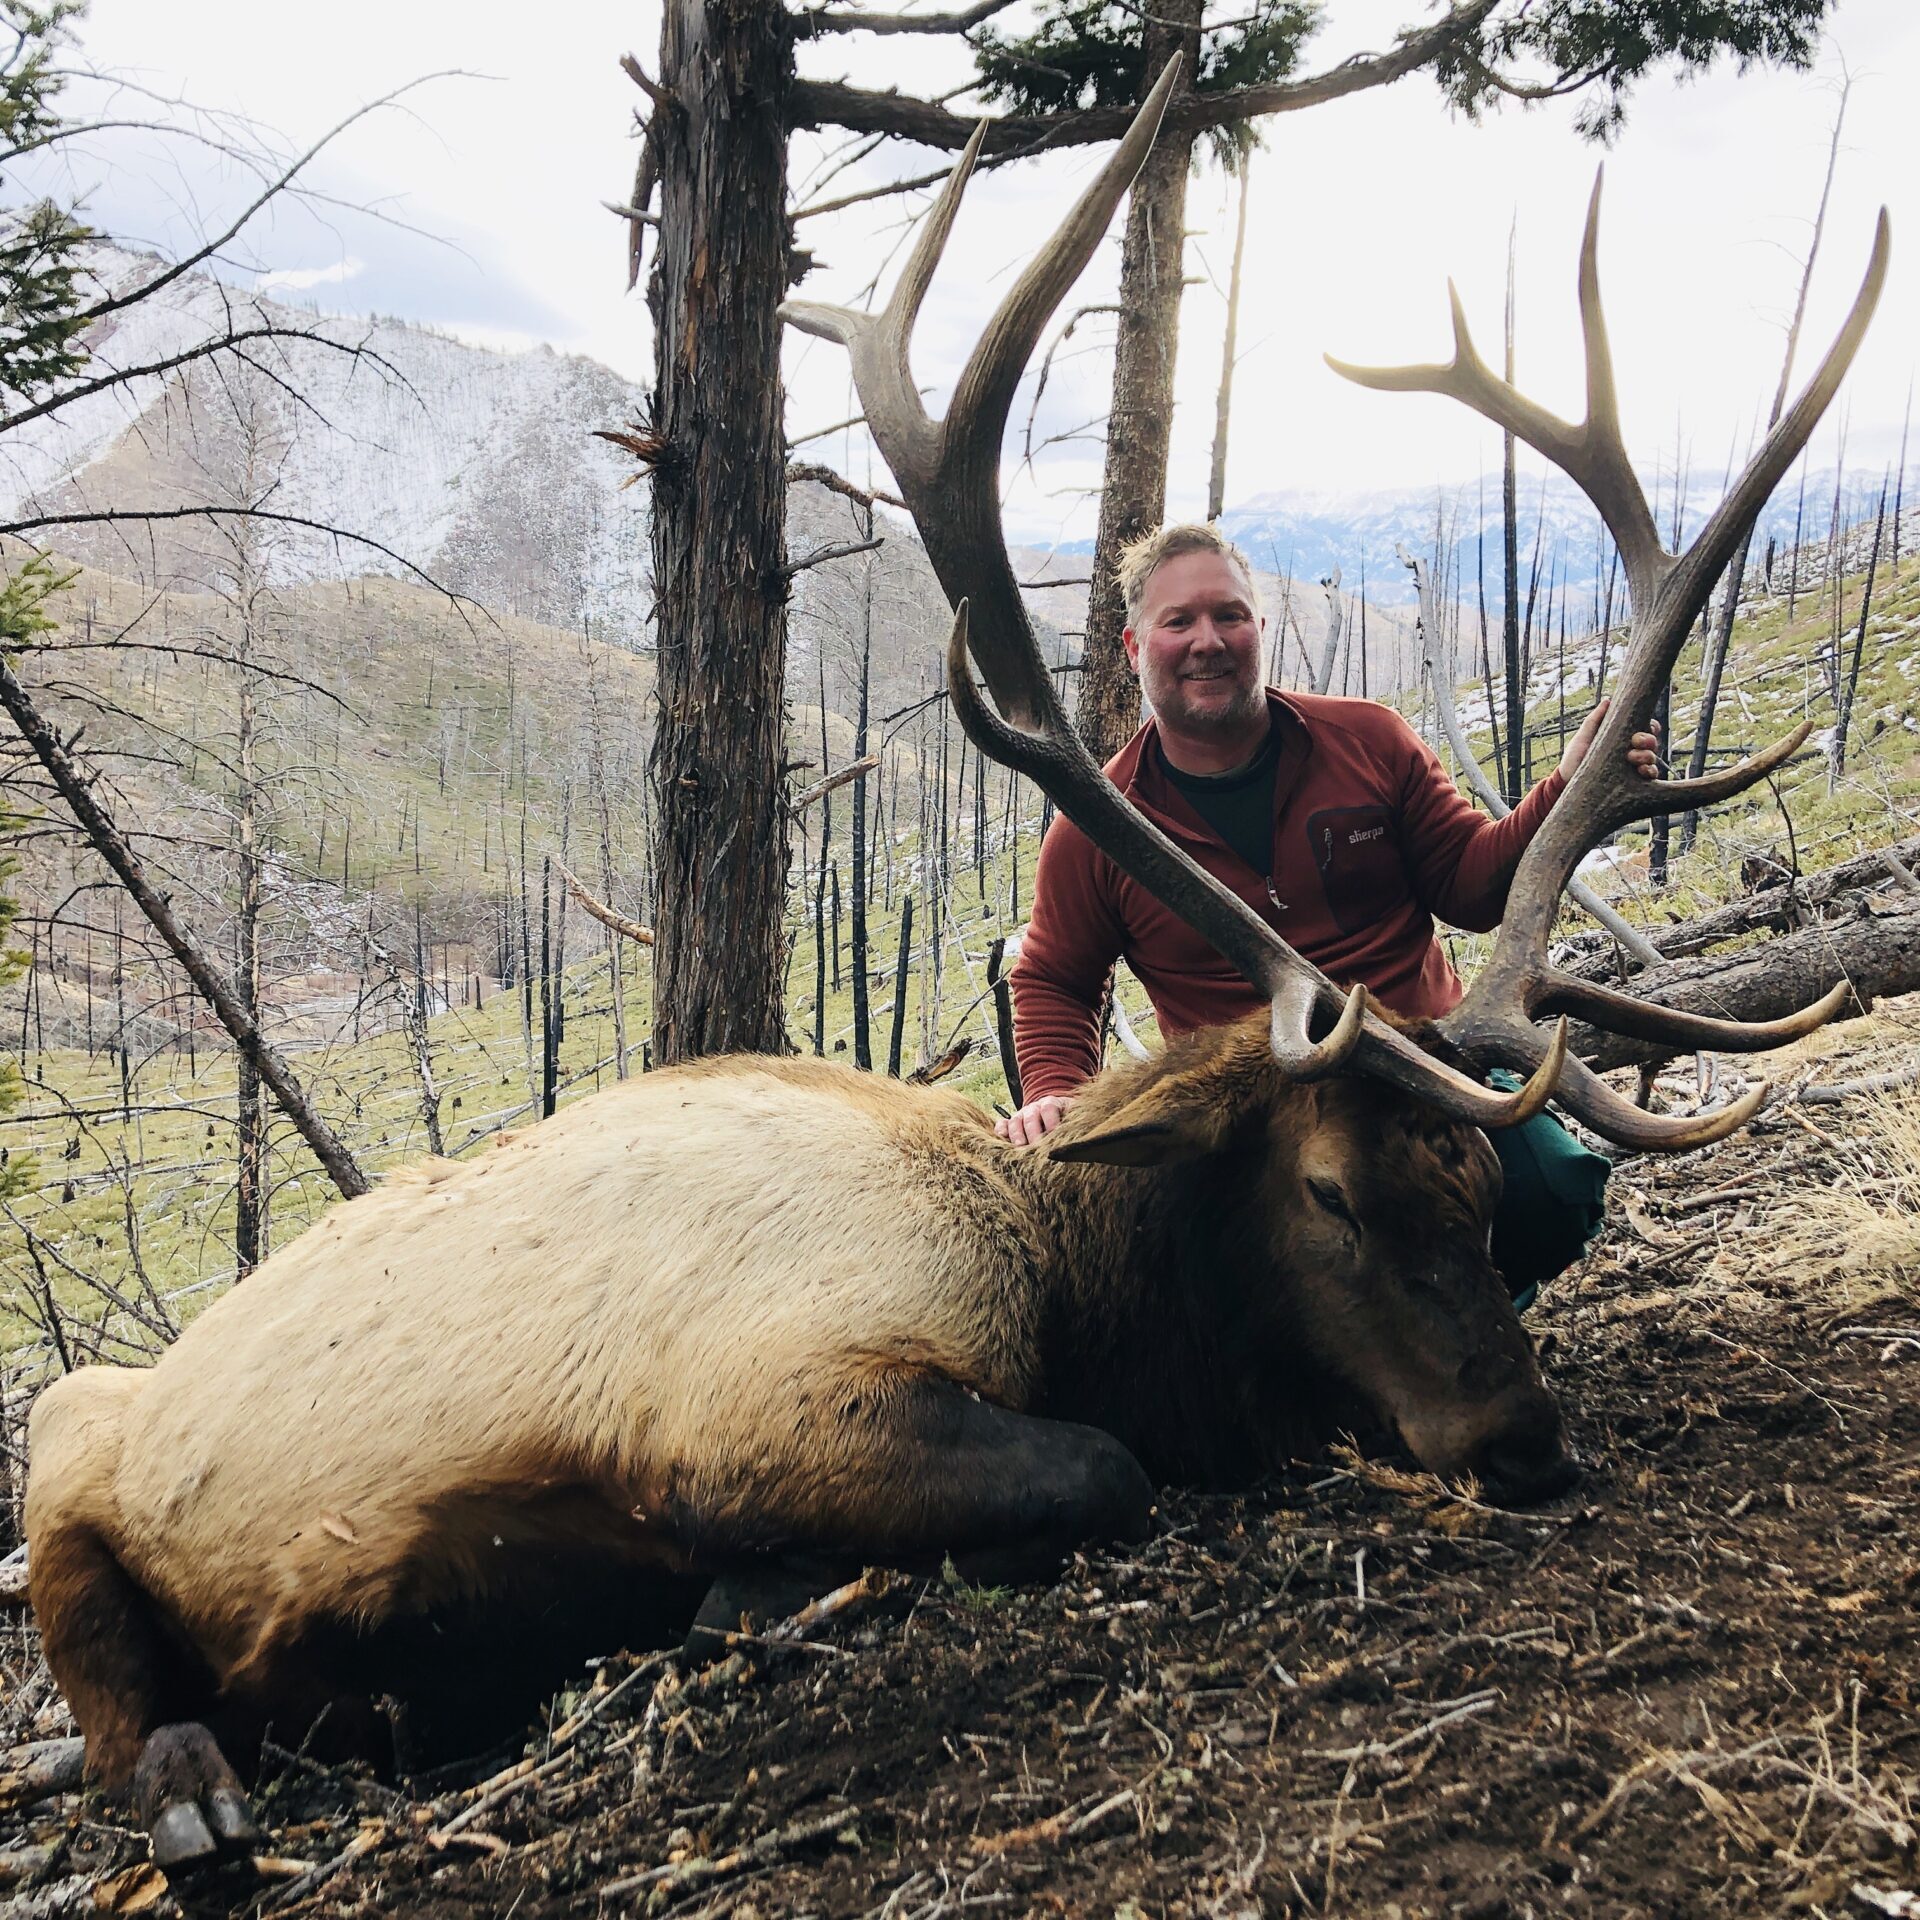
181, 1838
190, 1801
232, 1818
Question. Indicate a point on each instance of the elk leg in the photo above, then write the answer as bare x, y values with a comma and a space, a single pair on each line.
914, 1470
190, 1800
125, 1677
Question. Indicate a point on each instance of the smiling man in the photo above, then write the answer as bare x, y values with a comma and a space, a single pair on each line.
1331, 818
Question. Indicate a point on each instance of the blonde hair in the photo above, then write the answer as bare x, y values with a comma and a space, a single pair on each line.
1139, 558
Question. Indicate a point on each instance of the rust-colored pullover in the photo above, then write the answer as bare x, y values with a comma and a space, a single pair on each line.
1371, 842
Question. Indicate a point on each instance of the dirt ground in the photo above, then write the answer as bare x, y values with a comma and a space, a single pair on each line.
1688, 1689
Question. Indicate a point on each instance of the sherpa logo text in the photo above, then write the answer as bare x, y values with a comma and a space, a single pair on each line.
1364, 833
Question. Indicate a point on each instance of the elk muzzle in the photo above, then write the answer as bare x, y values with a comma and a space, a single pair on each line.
1498, 1425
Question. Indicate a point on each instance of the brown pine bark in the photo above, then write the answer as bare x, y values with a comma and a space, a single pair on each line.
1133, 499
718, 528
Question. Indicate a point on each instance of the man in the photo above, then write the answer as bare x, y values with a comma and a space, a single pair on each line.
1331, 818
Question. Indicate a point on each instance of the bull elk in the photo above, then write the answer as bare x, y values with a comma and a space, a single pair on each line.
756, 1322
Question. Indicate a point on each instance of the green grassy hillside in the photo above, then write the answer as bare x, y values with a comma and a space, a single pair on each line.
130, 1202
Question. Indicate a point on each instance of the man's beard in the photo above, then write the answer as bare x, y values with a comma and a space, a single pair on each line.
1235, 716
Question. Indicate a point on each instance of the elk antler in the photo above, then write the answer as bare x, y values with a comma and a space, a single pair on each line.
1518, 984
949, 476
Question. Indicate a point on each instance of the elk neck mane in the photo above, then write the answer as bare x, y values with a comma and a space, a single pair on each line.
1167, 1319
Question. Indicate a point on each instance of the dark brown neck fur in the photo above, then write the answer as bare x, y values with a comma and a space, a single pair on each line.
1148, 1330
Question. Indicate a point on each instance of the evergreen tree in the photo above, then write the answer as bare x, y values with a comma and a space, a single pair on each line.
41, 242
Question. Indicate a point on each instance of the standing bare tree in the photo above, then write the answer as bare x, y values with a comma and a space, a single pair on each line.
1721, 635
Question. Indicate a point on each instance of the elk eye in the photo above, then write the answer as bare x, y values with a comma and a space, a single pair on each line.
1335, 1202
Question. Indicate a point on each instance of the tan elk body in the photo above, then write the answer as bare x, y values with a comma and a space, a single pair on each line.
663, 1328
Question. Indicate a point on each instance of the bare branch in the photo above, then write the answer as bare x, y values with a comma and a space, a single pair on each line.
821, 788
851, 20
109, 518
663, 100
821, 555
76, 789
630, 929
803, 470
206, 251
818, 103
230, 341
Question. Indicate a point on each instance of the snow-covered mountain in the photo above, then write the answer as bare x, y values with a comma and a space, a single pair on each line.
1307, 533
481, 468
478, 467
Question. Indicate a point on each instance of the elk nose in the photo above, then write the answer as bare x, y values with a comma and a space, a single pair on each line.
1527, 1460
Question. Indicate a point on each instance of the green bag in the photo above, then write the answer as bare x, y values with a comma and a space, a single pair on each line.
1554, 1203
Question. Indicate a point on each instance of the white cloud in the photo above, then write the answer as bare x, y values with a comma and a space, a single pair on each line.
299, 279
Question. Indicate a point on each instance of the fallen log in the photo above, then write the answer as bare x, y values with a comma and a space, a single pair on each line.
1779, 909
40, 1770
1877, 951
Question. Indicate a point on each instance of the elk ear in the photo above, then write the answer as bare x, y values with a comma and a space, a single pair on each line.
1166, 1124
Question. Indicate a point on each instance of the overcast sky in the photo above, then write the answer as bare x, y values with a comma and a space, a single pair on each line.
1360, 211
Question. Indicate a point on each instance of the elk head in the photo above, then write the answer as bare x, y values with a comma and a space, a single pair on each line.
948, 472
1341, 1231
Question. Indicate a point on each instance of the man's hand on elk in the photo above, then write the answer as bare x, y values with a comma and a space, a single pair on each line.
1643, 750
1035, 1120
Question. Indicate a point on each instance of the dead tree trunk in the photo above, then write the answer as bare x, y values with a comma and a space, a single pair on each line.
1781, 909
420, 1041
900, 987
76, 789
1879, 954
250, 1121
1336, 625
863, 1041
1139, 429
1850, 687
1223, 404
719, 498
1515, 783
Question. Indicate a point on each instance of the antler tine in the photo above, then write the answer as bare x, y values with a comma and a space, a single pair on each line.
1592, 454
949, 474
881, 344
1702, 562
1647, 798
1637, 1019
1624, 503
903, 309
958, 512
1589, 1099
1299, 1058
985, 391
